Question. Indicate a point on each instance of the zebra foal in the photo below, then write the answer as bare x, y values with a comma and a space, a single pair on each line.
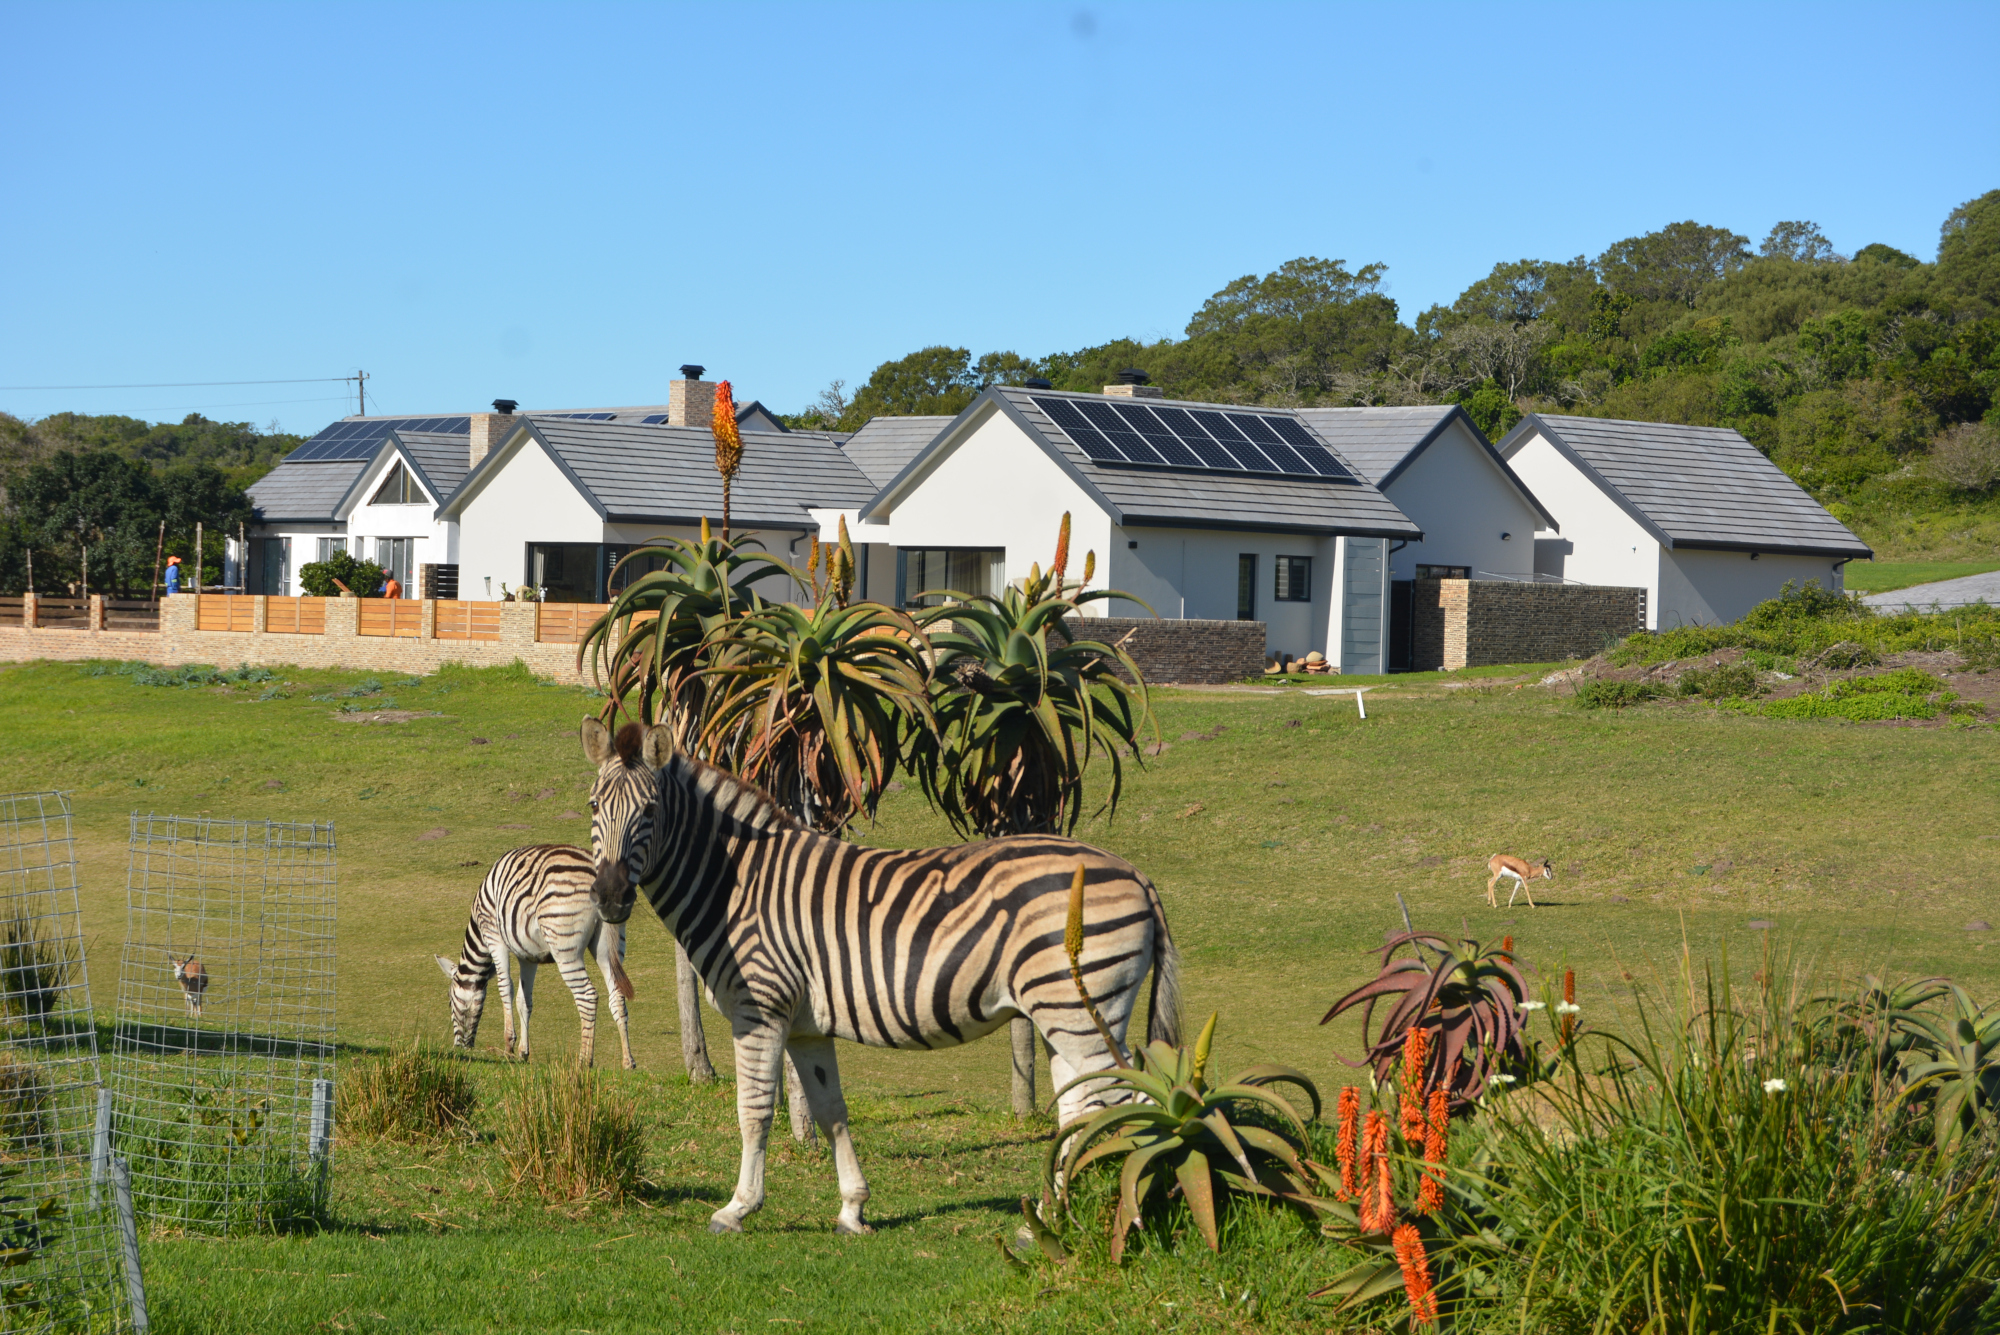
801, 939
538, 904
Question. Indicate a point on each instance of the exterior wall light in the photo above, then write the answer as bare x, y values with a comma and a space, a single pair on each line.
1505, 536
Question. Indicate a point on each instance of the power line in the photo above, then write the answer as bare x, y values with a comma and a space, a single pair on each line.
185, 384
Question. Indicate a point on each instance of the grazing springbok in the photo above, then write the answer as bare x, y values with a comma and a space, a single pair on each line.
1522, 872
193, 980
536, 905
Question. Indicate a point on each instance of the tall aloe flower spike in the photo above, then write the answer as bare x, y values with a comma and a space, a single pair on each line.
1410, 1101
1416, 1270
1346, 1147
1060, 566
728, 446
1073, 945
1437, 1130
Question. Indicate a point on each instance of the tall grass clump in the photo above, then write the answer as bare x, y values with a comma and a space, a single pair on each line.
1736, 1167
568, 1137
35, 968
415, 1096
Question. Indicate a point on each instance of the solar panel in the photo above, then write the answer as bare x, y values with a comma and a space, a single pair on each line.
1193, 439
1088, 439
654, 420
358, 440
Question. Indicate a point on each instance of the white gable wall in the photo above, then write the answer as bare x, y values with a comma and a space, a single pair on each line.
1703, 588
527, 498
367, 522
993, 487
1458, 496
1604, 544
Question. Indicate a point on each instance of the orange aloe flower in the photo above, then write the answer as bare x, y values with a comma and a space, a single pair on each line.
1416, 1276
1569, 1002
1350, 1127
1507, 945
1430, 1193
1416, 1057
1378, 1199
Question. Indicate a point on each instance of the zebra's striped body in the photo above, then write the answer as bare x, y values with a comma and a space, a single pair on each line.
801, 939
536, 905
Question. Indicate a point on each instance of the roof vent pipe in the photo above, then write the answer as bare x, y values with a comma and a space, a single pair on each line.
1036, 383
1133, 376
691, 371
505, 406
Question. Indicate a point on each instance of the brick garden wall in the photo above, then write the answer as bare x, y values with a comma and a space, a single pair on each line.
1479, 623
339, 646
1185, 652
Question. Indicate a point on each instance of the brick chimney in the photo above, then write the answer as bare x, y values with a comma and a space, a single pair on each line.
490, 429
1132, 385
691, 400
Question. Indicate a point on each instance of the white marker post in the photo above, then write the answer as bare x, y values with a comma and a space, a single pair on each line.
1360, 704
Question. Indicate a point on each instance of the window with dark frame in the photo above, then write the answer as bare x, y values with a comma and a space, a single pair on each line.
399, 488
1444, 572
1293, 580
1246, 587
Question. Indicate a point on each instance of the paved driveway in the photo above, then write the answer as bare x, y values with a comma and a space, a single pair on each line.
1945, 593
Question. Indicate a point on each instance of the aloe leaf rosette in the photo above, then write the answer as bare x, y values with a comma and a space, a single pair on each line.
1470, 1001
1172, 1129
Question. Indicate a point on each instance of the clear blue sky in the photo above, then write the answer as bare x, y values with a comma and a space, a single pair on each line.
560, 204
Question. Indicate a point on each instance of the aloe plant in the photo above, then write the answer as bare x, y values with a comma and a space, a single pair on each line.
812, 704
1958, 1065
1024, 706
1174, 1124
1470, 1000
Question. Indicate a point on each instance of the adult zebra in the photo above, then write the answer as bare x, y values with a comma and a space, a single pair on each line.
538, 904
801, 939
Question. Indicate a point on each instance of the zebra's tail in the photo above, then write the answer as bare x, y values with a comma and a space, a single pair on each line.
1163, 1007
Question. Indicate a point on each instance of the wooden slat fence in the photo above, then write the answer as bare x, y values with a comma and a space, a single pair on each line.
131, 614
12, 611
458, 620
565, 623
402, 618
294, 616
63, 613
225, 613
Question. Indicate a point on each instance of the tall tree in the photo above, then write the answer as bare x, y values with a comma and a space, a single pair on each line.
1675, 263
1968, 263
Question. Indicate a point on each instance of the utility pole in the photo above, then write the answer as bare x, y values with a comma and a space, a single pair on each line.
361, 392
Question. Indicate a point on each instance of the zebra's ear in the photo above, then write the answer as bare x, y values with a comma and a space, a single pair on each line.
596, 742
449, 969
658, 746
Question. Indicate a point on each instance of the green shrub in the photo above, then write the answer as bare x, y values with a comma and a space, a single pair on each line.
1728, 681
566, 1137
204, 1158
416, 1096
1804, 623
1725, 1172
1908, 693
362, 578
1594, 694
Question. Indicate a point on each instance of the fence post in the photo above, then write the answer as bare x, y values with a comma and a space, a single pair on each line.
427, 620
319, 1142
100, 1146
128, 1243
93, 617
260, 613
30, 608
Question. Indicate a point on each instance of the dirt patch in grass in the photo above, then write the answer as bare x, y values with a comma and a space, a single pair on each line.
387, 715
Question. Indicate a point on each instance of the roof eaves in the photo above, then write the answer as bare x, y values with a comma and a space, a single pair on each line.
1519, 437
1860, 551
1409, 531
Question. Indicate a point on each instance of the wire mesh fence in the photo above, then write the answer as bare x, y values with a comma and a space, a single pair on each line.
223, 1038
61, 1267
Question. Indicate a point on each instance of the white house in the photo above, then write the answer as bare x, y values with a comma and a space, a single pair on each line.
376, 486
1478, 519
1203, 511
1696, 516
559, 501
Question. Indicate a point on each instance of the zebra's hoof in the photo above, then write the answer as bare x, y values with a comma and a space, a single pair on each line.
854, 1228
718, 1224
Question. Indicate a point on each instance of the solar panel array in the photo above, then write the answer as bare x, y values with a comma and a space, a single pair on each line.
654, 420
584, 417
1199, 439
358, 439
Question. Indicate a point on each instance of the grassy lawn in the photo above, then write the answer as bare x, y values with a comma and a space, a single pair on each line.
1279, 840
1887, 576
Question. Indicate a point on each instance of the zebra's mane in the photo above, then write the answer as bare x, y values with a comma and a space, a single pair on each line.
737, 798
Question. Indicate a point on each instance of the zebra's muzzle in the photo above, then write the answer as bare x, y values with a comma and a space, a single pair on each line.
613, 892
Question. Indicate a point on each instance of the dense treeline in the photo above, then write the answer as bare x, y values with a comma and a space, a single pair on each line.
77, 489
1846, 369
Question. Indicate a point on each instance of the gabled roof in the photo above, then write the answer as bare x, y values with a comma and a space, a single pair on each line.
1692, 486
1384, 442
640, 473
885, 446
304, 493
442, 461
1169, 497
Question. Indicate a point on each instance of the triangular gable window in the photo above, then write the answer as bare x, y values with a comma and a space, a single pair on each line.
400, 488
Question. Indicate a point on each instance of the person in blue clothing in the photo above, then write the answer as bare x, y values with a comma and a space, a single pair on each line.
173, 575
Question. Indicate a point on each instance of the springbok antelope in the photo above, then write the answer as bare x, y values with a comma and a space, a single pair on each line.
193, 980
1523, 872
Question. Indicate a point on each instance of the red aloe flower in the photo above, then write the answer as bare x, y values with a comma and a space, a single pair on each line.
1569, 999
1416, 1276
1350, 1127
1430, 1193
1507, 944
